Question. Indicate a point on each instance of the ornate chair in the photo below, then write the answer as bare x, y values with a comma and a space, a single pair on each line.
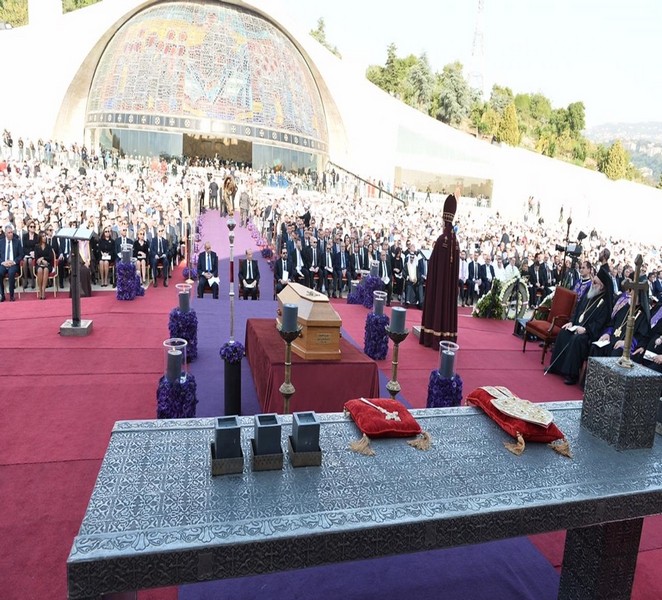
557, 315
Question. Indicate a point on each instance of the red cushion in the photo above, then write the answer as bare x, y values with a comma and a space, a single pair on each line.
512, 425
373, 422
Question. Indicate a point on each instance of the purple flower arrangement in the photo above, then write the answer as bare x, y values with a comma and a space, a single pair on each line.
267, 253
128, 282
375, 341
232, 352
185, 325
444, 391
176, 399
190, 272
370, 283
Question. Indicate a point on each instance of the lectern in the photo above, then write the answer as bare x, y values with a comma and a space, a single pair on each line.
75, 326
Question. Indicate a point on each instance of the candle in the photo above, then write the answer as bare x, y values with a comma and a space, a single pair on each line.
447, 363
232, 271
227, 438
126, 256
398, 320
184, 302
374, 269
378, 300
290, 316
174, 365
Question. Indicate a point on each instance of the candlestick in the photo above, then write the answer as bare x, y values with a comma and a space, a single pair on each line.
398, 320
227, 437
174, 371
287, 388
290, 317
393, 387
379, 299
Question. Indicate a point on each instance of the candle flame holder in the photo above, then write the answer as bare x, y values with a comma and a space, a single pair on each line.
397, 337
287, 389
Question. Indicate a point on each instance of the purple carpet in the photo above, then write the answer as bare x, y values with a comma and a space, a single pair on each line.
496, 571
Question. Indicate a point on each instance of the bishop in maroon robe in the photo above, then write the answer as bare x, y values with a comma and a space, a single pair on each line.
439, 321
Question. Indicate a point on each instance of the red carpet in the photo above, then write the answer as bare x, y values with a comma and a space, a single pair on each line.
61, 396
60, 399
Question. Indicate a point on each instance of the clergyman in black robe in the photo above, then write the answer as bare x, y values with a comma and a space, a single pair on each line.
588, 322
439, 320
614, 335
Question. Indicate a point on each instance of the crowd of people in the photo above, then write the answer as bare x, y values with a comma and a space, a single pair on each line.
325, 231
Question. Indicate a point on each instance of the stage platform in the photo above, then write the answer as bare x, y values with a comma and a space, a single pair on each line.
321, 385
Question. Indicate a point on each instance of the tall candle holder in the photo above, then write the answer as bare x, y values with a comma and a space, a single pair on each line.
287, 389
397, 337
231, 225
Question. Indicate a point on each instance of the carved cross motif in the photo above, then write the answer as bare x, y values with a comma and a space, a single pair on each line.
634, 286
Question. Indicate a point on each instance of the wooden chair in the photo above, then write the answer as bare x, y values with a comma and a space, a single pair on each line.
558, 314
18, 281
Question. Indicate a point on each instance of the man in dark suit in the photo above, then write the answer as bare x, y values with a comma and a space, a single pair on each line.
486, 271
386, 274
473, 279
158, 251
123, 239
249, 276
414, 276
207, 269
313, 259
341, 269
283, 271
327, 271
11, 254
299, 263
537, 281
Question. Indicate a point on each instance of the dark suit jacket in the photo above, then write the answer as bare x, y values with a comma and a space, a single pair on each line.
243, 271
202, 263
542, 276
118, 245
482, 273
17, 249
474, 273
154, 245
278, 269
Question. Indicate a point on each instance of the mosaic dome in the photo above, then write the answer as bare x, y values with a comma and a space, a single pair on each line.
207, 67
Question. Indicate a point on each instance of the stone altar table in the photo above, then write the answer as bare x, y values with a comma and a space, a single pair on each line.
157, 518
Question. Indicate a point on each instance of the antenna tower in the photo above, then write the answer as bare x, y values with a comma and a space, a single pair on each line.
476, 76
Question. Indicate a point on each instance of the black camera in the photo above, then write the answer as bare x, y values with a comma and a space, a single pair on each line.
574, 250
571, 249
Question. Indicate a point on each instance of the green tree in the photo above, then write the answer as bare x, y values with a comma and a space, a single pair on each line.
541, 108
659, 184
420, 83
508, 131
559, 120
546, 143
14, 12
490, 122
392, 74
500, 98
319, 33
617, 162
576, 118
453, 95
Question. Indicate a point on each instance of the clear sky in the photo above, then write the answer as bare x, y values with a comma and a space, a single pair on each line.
604, 53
